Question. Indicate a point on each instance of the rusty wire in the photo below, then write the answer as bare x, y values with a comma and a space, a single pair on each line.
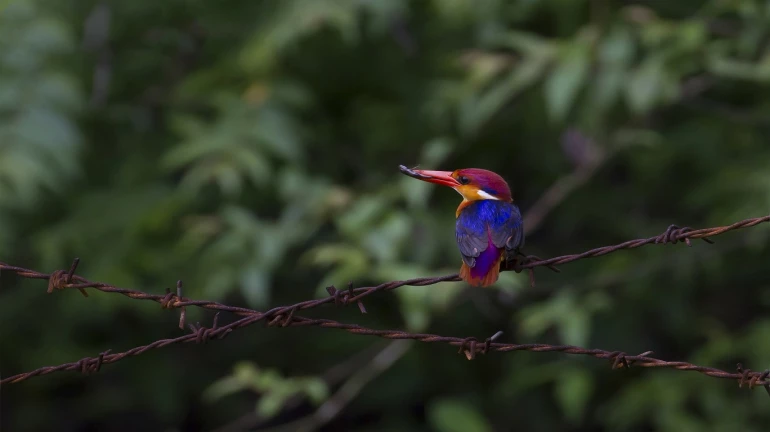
469, 346
674, 234
285, 315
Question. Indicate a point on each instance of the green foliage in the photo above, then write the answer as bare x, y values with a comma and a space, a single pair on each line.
570, 315
573, 393
39, 140
250, 149
273, 389
452, 415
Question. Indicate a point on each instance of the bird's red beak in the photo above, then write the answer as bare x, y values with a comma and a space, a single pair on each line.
439, 177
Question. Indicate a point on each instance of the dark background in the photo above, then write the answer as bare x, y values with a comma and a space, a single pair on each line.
250, 148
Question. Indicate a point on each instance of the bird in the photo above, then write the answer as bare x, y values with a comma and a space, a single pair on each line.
489, 228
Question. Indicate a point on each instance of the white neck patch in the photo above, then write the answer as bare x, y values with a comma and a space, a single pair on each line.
486, 195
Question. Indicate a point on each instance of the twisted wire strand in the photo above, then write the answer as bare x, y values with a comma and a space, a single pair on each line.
674, 234
470, 346
285, 315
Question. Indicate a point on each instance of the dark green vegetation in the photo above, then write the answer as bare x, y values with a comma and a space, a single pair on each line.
250, 148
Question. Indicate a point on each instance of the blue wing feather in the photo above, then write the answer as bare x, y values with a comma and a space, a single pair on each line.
483, 219
471, 236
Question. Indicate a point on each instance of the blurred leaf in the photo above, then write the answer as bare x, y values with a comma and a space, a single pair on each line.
564, 82
255, 287
537, 318
434, 153
40, 144
275, 390
654, 398
615, 54
271, 403
573, 391
290, 21
478, 110
316, 389
330, 254
453, 415
575, 327
244, 376
418, 304
644, 85
235, 149
617, 48
570, 315
383, 241
530, 44
278, 132
362, 215
350, 264
742, 70
415, 309
692, 35
454, 10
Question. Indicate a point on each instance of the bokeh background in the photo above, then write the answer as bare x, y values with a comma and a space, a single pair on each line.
250, 149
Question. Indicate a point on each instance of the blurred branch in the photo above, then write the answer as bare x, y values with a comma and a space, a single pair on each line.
350, 389
587, 158
557, 192
285, 315
403, 36
722, 110
331, 377
96, 33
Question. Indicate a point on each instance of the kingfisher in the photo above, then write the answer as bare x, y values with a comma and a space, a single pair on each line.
489, 228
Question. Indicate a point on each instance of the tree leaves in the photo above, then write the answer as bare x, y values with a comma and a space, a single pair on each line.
39, 141
453, 415
274, 389
237, 149
567, 78
250, 149
644, 86
573, 392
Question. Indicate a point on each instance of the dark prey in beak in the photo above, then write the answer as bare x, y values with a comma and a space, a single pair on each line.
412, 173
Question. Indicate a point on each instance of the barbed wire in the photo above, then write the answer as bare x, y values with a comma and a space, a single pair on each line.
62, 279
470, 346
285, 315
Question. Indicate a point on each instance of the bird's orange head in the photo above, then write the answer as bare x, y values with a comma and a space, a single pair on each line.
472, 183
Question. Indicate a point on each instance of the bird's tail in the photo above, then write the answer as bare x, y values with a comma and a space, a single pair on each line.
480, 278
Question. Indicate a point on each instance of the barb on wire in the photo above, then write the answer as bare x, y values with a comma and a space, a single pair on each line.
285, 315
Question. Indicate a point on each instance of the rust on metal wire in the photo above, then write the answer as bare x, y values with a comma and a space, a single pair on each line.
286, 315
356, 294
470, 346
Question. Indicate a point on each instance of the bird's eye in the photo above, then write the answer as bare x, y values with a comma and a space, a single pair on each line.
463, 180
